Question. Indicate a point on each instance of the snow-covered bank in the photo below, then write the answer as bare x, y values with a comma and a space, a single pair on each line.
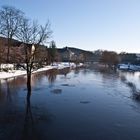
15, 73
129, 67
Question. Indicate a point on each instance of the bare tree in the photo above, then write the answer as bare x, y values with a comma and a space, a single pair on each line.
109, 58
10, 20
33, 36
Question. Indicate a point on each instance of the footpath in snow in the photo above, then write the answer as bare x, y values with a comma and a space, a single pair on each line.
15, 73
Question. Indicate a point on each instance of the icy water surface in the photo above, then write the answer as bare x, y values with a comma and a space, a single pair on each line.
81, 104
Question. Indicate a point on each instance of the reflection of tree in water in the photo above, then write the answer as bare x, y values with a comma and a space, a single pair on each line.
12, 115
85, 71
108, 75
9, 89
52, 75
64, 71
2, 95
107, 71
113, 75
77, 70
32, 118
29, 130
36, 78
133, 88
135, 91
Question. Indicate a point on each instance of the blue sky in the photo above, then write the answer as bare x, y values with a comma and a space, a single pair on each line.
88, 24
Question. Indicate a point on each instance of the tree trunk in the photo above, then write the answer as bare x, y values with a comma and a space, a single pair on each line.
29, 82
8, 50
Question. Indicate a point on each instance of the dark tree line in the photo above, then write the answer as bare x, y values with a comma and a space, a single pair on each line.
109, 58
129, 58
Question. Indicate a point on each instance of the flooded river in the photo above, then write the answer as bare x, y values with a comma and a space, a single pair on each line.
80, 104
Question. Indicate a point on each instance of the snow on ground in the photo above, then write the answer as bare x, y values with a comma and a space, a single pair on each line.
7, 66
15, 73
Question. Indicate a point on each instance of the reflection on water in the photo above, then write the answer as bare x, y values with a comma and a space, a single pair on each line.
52, 75
9, 89
135, 91
29, 129
88, 103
